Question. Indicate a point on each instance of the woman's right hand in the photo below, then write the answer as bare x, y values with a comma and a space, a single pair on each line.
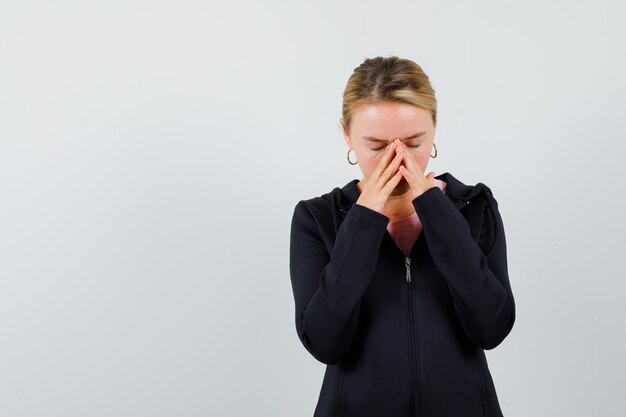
376, 188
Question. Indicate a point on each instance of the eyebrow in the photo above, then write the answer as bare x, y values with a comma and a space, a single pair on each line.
416, 135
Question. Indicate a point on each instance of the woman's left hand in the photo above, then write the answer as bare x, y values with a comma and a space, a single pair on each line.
413, 173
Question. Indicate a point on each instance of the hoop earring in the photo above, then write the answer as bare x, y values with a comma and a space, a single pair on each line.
434, 146
348, 157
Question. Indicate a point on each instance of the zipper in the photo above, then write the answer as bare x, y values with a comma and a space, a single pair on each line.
415, 373
407, 263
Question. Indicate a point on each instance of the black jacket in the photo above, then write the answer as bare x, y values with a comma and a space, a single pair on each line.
402, 336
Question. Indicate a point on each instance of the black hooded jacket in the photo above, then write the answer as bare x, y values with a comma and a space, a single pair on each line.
402, 336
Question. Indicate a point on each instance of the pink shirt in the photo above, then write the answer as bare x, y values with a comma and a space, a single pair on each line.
406, 231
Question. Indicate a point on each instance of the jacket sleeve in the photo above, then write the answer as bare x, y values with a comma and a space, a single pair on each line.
328, 288
477, 278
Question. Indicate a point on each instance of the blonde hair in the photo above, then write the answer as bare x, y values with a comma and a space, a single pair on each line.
387, 79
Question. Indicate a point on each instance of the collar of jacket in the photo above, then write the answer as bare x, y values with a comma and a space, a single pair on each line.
459, 194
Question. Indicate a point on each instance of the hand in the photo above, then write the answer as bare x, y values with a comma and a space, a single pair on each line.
376, 188
413, 173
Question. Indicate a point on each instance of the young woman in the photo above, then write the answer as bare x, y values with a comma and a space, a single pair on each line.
400, 279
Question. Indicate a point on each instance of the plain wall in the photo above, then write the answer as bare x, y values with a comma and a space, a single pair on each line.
152, 153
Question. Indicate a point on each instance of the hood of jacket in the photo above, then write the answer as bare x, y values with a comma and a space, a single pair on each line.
460, 194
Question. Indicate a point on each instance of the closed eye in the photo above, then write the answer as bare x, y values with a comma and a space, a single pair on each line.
410, 146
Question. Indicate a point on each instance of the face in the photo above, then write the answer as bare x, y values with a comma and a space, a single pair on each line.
375, 126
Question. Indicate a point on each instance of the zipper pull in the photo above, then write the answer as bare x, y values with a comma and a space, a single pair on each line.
407, 263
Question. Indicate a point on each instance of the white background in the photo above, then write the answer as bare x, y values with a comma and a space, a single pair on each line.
152, 152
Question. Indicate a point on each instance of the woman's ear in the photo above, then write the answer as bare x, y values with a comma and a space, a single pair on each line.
346, 134
342, 125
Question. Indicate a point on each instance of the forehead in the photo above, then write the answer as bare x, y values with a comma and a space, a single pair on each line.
390, 119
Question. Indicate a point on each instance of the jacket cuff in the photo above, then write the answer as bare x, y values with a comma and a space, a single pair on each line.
426, 198
370, 215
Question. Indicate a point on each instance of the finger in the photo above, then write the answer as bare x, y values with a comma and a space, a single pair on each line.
430, 178
391, 169
409, 161
391, 184
407, 174
382, 164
